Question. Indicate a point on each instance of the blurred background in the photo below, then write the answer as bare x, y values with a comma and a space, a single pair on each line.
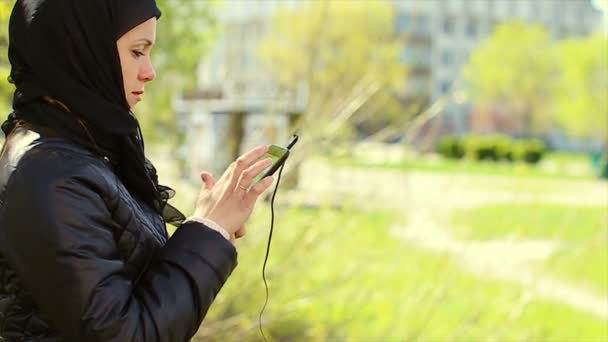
451, 179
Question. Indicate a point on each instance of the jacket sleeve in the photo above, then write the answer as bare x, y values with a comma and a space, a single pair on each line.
59, 236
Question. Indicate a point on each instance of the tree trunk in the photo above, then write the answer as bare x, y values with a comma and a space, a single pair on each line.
291, 179
236, 131
527, 122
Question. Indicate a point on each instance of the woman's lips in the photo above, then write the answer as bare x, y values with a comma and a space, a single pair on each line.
138, 94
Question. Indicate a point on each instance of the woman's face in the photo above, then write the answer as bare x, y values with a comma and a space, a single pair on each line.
134, 51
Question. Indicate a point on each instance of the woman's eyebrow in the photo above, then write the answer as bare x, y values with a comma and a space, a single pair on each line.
145, 41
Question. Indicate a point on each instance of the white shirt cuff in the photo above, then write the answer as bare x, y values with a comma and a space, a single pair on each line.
211, 224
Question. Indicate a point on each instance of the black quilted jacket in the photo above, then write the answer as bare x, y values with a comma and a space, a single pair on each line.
82, 260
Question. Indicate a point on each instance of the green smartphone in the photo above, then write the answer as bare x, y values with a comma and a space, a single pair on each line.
279, 155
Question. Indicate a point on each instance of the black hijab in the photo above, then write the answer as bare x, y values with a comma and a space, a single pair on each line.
66, 50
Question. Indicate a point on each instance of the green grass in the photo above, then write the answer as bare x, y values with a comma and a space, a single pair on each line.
341, 275
569, 157
560, 162
582, 232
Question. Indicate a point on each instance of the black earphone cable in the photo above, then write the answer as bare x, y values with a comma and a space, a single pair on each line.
274, 193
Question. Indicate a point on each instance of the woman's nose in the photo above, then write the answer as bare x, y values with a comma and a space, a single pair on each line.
147, 72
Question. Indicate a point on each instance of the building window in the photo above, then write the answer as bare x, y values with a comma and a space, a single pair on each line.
444, 86
422, 25
581, 12
415, 55
448, 25
523, 10
511, 9
535, 10
490, 7
405, 55
446, 57
466, 56
472, 27
402, 23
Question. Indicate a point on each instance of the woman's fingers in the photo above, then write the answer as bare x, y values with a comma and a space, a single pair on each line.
230, 200
251, 172
253, 194
241, 232
244, 162
207, 179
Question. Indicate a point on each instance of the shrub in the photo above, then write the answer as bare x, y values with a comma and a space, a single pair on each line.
491, 147
451, 147
503, 146
487, 147
535, 151
604, 166
530, 151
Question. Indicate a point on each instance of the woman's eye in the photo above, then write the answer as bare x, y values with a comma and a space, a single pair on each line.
137, 53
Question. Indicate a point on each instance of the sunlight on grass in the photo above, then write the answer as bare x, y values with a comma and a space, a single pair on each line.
341, 275
553, 165
581, 231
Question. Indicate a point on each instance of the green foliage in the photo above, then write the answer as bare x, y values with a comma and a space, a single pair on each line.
581, 100
530, 151
487, 147
603, 166
583, 232
502, 147
345, 53
492, 148
6, 89
185, 32
515, 68
450, 147
540, 81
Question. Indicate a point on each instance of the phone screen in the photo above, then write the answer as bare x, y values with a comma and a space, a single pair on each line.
277, 154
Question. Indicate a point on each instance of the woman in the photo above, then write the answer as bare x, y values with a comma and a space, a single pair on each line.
84, 253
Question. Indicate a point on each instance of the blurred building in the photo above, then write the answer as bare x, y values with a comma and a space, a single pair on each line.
439, 36
237, 96
237, 104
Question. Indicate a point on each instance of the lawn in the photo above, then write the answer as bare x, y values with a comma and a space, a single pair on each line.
582, 232
553, 165
341, 275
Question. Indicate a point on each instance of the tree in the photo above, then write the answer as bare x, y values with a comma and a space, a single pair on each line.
515, 69
581, 95
185, 33
6, 89
345, 55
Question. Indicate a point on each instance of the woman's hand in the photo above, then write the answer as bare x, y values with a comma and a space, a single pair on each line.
230, 201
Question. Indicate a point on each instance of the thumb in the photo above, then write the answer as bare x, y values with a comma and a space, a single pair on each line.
207, 178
